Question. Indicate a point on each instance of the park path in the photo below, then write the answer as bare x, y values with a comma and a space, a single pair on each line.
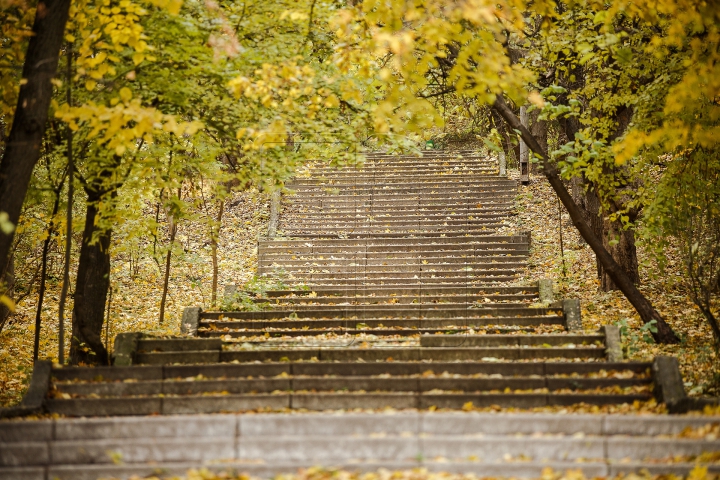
392, 289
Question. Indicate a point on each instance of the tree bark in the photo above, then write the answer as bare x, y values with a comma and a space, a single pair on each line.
538, 129
68, 217
214, 236
586, 198
166, 277
91, 288
663, 333
7, 288
22, 149
43, 273
624, 252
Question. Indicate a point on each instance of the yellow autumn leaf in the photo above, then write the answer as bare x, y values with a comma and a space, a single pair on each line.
125, 94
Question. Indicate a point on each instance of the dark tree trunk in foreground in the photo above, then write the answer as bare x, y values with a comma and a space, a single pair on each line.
91, 289
664, 333
22, 149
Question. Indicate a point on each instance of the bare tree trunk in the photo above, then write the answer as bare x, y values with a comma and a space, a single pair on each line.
168, 258
166, 279
7, 288
648, 314
624, 252
215, 235
43, 273
22, 149
538, 129
91, 289
68, 220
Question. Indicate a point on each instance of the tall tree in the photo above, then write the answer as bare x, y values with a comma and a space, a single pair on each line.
22, 147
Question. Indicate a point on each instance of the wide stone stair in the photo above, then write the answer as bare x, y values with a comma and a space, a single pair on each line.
390, 285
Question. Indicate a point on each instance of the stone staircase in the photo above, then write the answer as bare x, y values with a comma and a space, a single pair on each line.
398, 290
489, 445
394, 285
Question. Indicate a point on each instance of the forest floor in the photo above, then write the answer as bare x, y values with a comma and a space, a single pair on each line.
137, 288
574, 274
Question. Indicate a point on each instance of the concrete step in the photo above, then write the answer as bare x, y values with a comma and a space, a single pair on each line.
418, 197
459, 290
392, 258
210, 327
440, 230
449, 166
429, 282
192, 404
393, 305
361, 179
416, 163
453, 190
273, 335
362, 269
336, 223
380, 207
194, 386
318, 217
348, 384
420, 247
388, 310
401, 299
394, 276
479, 241
259, 469
397, 180
350, 352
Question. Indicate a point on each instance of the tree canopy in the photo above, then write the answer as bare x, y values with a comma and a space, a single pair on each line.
164, 106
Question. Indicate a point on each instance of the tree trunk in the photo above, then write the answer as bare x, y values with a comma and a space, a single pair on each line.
22, 149
7, 288
43, 273
214, 236
166, 277
538, 129
68, 216
663, 333
624, 252
91, 289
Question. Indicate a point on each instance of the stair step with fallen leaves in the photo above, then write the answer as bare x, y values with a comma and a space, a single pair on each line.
265, 445
397, 291
175, 389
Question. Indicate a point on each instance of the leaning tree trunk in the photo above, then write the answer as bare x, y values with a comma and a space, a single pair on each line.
624, 252
22, 148
648, 314
91, 289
